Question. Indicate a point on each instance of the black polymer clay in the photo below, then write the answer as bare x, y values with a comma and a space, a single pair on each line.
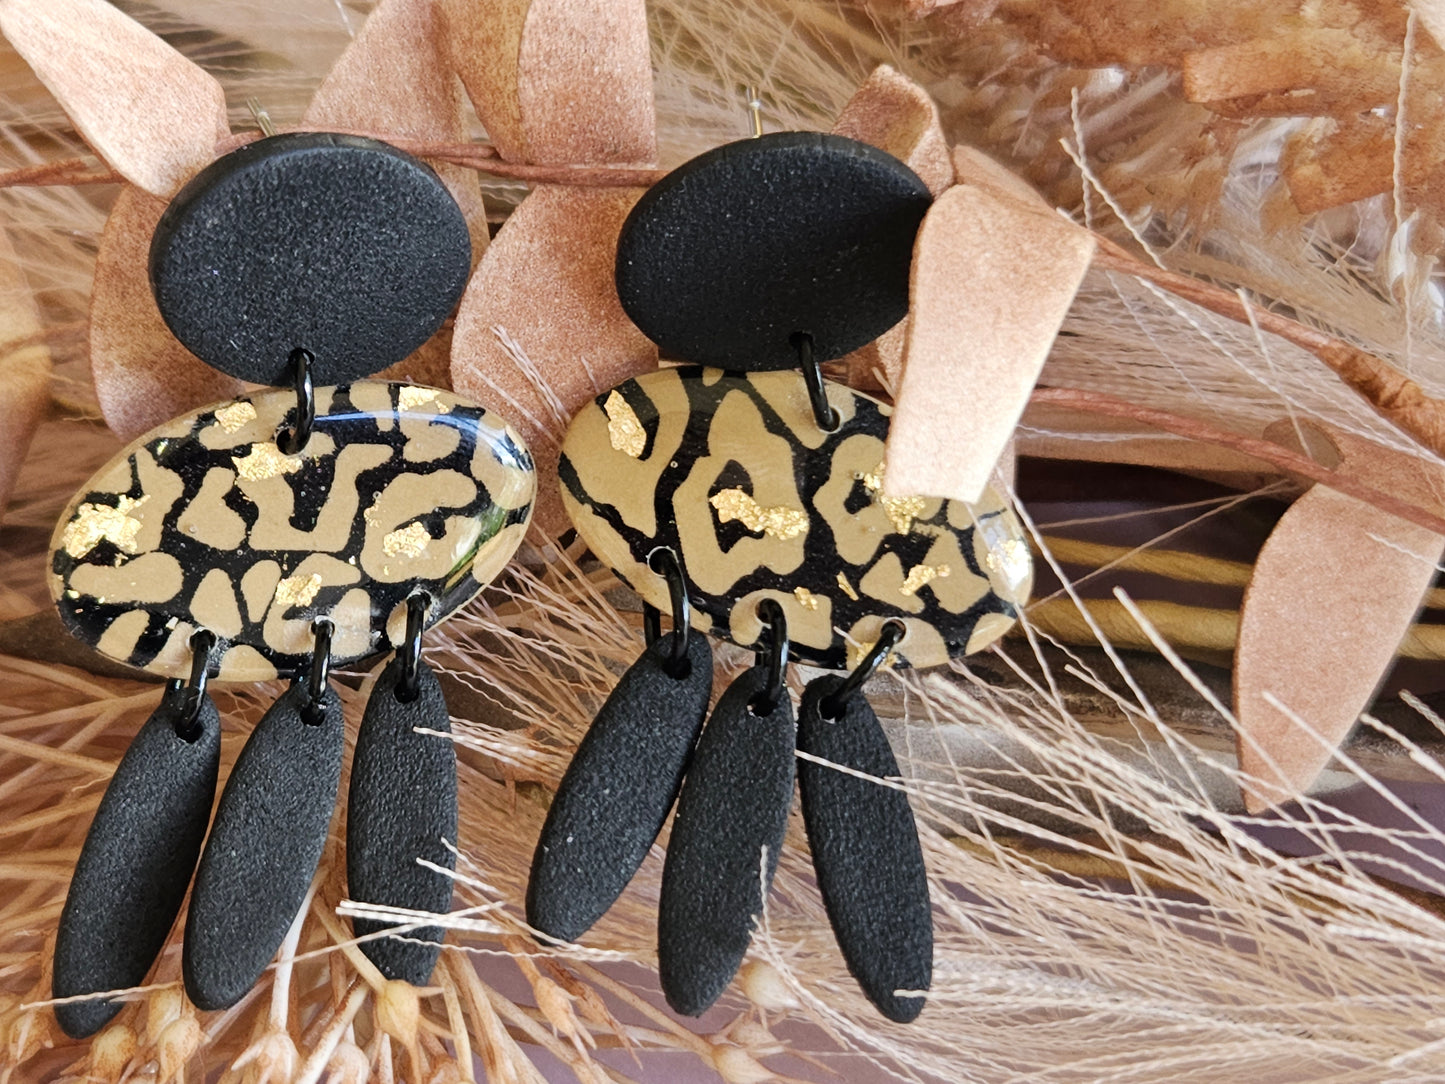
402, 805
865, 851
136, 863
343, 246
618, 790
732, 254
732, 812
264, 847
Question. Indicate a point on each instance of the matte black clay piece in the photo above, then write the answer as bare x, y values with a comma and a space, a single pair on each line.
339, 245
732, 815
865, 852
731, 254
402, 805
266, 841
135, 865
618, 790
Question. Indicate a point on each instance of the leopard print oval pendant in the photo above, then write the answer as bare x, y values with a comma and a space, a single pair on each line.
203, 522
732, 471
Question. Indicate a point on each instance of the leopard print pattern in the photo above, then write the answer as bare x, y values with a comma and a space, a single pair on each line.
204, 523
732, 472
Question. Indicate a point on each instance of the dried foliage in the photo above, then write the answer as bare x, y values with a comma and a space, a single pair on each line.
1104, 909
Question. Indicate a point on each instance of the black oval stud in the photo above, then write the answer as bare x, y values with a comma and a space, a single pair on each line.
292, 439
726, 838
137, 859
264, 847
865, 849
402, 806
343, 246
736, 251
618, 789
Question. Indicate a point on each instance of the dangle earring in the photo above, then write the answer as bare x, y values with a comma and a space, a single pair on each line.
762, 258
281, 534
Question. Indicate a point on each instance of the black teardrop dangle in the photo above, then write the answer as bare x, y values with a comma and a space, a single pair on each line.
623, 779
728, 832
864, 841
402, 806
139, 854
266, 841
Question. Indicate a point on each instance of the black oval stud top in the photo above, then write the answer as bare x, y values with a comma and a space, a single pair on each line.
339, 245
733, 255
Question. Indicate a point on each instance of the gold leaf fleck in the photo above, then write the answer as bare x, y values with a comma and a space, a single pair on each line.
846, 587
919, 575
410, 397
97, 523
265, 461
623, 429
806, 598
1011, 556
297, 590
235, 416
872, 480
410, 541
779, 523
902, 511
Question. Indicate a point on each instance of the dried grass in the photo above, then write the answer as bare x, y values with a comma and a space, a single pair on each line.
1103, 911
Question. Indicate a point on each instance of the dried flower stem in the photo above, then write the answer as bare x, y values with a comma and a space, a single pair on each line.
68, 172
1276, 454
1393, 395
483, 157
321, 1051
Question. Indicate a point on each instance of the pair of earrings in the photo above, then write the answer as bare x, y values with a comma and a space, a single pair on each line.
745, 496
280, 534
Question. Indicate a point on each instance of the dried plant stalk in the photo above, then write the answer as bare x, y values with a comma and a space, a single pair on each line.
1103, 911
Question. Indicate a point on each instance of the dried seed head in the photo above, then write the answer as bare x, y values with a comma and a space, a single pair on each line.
737, 1066
556, 1006
163, 1008
764, 987
177, 1043
28, 1033
398, 1011
753, 1036
111, 1052
272, 1059
348, 1065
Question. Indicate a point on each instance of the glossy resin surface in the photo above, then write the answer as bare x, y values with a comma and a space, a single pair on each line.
204, 523
732, 472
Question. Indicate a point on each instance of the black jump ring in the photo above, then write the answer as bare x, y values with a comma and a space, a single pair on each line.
777, 623
314, 710
188, 722
892, 632
292, 439
681, 610
410, 651
823, 412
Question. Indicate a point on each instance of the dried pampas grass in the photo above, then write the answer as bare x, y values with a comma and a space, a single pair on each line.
1105, 910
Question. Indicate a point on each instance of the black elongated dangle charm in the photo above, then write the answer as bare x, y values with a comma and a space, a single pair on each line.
137, 859
865, 849
402, 807
726, 838
619, 788
264, 847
